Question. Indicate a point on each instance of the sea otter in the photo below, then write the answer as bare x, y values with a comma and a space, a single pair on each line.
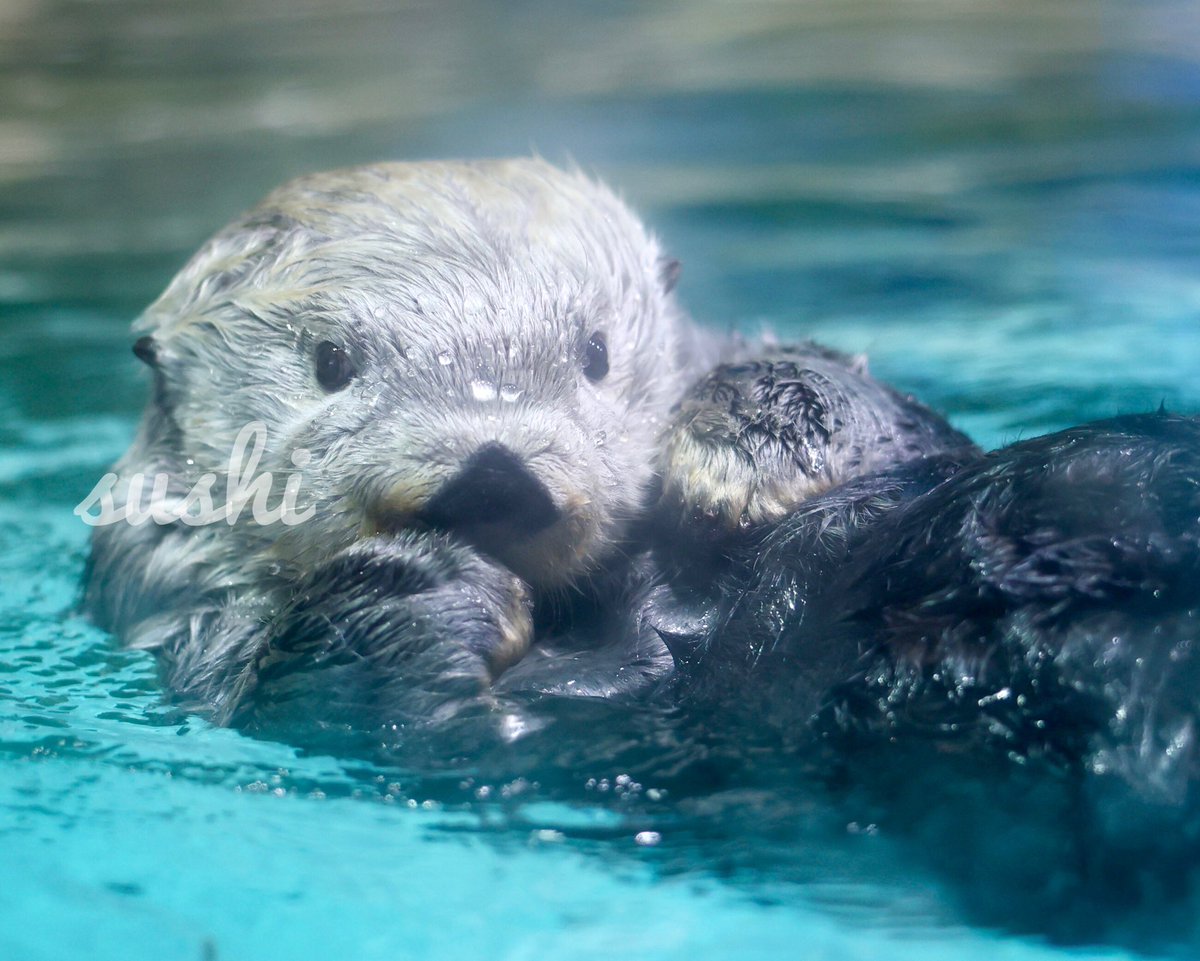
465, 366
486, 373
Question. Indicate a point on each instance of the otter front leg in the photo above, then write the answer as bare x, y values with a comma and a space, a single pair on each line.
752, 440
404, 630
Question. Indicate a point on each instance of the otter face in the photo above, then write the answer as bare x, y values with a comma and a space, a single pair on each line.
485, 348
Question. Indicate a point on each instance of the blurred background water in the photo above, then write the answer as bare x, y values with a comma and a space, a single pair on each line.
996, 200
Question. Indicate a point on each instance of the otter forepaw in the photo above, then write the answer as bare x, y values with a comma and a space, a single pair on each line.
753, 440
404, 629
746, 445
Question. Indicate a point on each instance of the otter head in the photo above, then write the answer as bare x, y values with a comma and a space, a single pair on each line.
488, 349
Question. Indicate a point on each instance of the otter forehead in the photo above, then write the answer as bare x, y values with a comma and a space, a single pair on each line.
438, 207
432, 240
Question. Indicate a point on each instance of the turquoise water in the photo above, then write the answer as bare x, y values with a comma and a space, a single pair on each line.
996, 201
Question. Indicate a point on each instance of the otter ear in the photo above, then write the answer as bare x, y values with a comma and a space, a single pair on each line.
146, 350
668, 273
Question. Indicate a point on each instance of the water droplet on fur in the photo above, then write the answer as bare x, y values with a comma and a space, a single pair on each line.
510, 393
482, 390
445, 358
600, 437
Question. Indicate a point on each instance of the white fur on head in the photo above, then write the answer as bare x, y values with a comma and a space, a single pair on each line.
465, 295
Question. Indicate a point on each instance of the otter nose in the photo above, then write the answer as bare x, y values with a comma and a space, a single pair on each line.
493, 497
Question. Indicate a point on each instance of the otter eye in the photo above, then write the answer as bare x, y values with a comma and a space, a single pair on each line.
334, 367
595, 358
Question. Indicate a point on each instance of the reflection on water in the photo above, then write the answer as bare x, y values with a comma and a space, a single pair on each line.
997, 200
